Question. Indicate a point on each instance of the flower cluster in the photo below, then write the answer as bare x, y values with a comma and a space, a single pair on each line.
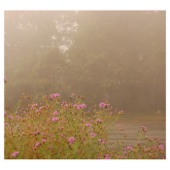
54, 129
103, 105
54, 96
79, 106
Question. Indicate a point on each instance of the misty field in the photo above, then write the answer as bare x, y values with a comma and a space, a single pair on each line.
49, 128
85, 84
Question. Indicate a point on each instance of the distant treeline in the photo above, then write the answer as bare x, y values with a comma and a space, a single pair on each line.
103, 55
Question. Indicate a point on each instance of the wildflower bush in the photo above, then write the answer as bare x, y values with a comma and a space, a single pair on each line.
49, 128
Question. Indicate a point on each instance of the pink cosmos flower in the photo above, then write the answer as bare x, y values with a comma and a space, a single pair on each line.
14, 154
55, 113
71, 140
54, 95
54, 119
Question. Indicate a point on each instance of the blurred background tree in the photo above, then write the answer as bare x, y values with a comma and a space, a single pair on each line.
117, 56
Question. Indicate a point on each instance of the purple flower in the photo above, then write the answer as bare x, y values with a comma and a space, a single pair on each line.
14, 154
71, 140
54, 95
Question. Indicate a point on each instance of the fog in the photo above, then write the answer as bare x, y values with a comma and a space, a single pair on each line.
114, 56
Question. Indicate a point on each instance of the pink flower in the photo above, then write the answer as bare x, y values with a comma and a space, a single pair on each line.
144, 129
129, 148
92, 134
88, 124
55, 113
101, 141
10, 117
76, 106
35, 105
37, 132
54, 119
79, 106
14, 154
43, 140
103, 105
54, 95
161, 147
98, 120
71, 140
106, 156
37, 111
64, 104
124, 152
37, 144
82, 106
